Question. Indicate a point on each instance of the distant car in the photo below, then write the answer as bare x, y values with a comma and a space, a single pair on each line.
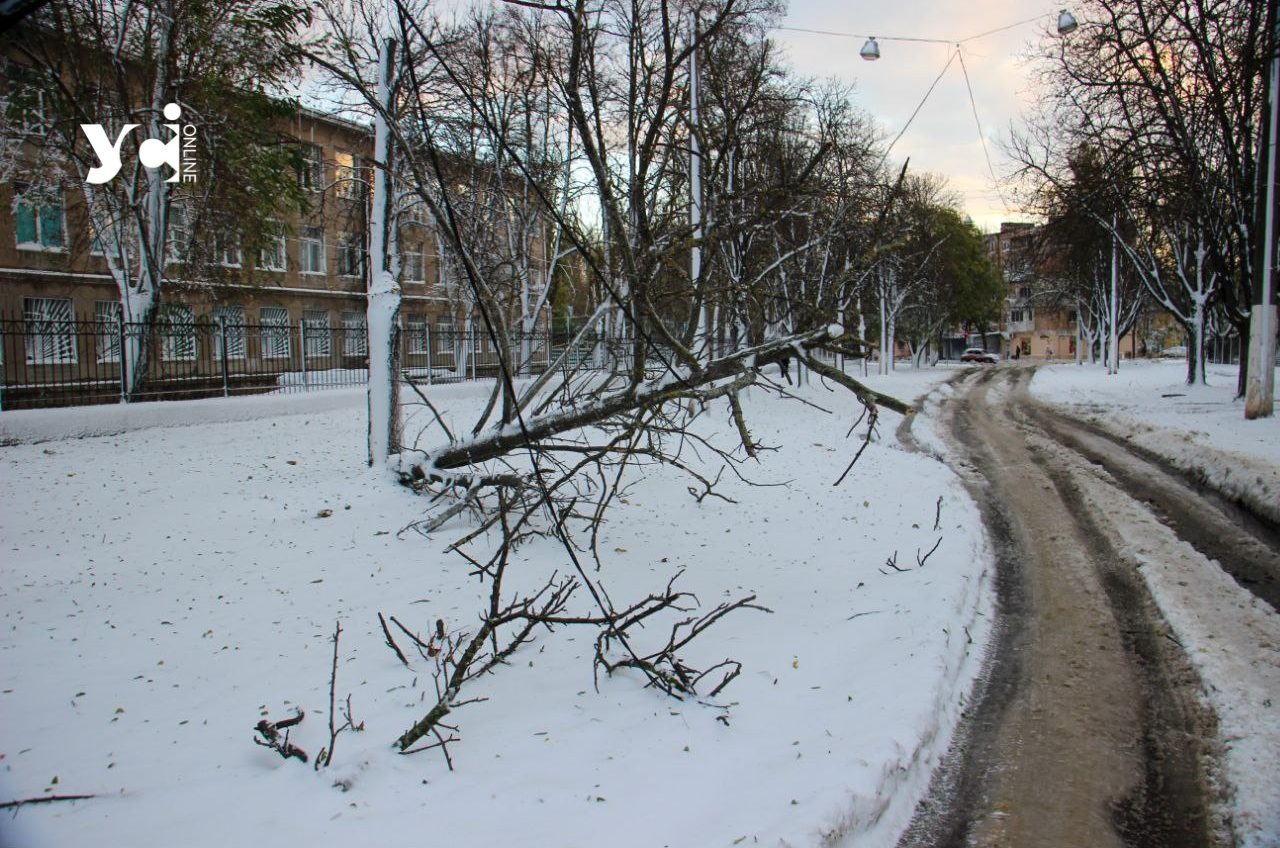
977, 354
1176, 352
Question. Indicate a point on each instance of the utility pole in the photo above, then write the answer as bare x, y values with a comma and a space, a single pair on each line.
1113, 308
1259, 393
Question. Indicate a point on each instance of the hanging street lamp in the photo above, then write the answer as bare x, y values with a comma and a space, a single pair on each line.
871, 50
1067, 23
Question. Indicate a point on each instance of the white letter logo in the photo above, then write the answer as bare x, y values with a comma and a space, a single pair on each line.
108, 153
152, 153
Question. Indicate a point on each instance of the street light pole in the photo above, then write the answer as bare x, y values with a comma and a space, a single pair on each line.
1259, 395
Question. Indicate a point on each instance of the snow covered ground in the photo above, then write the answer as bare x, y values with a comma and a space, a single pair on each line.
1201, 429
162, 589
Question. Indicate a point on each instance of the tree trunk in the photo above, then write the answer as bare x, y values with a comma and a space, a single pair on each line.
384, 291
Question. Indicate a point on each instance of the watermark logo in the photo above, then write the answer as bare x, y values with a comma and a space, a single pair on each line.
178, 152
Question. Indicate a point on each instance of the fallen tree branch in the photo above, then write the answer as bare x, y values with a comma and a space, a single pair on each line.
43, 799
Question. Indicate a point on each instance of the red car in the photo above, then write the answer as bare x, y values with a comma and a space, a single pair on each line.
977, 354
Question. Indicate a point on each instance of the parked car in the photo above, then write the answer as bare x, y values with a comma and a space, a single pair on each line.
1175, 352
977, 354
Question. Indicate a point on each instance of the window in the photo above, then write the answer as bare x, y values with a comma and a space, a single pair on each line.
40, 222
106, 314
27, 107
355, 334
416, 331
1024, 291
414, 270
179, 233
50, 333
348, 181
444, 338
177, 326
275, 332
311, 173
272, 256
227, 250
315, 322
415, 212
1015, 316
311, 250
231, 326
351, 257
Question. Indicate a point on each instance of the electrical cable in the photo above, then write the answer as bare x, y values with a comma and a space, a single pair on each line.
973, 103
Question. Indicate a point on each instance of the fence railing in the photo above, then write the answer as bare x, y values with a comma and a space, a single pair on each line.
51, 361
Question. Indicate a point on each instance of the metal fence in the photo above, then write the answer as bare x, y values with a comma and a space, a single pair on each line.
49, 360
52, 361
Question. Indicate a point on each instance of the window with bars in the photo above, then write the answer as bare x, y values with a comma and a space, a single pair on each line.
355, 334
177, 326
106, 336
319, 337
311, 250
49, 337
233, 319
444, 338
415, 328
275, 332
40, 223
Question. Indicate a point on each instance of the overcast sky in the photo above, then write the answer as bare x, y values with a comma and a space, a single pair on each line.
943, 138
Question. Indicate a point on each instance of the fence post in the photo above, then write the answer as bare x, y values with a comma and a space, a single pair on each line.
428, 338
3, 359
226, 380
302, 343
474, 341
124, 357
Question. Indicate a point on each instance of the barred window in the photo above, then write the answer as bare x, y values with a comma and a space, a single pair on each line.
50, 334
231, 321
416, 332
444, 338
106, 314
319, 338
177, 326
355, 334
275, 332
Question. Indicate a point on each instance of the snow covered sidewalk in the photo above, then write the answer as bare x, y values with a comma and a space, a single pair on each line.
162, 589
1199, 429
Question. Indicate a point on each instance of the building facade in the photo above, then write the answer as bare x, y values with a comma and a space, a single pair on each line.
301, 287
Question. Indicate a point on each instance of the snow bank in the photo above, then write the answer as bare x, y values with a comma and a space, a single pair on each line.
164, 588
1199, 429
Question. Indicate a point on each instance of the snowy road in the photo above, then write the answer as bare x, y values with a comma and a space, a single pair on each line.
1129, 700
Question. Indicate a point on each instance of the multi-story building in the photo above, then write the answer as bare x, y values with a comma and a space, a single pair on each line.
1027, 326
302, 286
